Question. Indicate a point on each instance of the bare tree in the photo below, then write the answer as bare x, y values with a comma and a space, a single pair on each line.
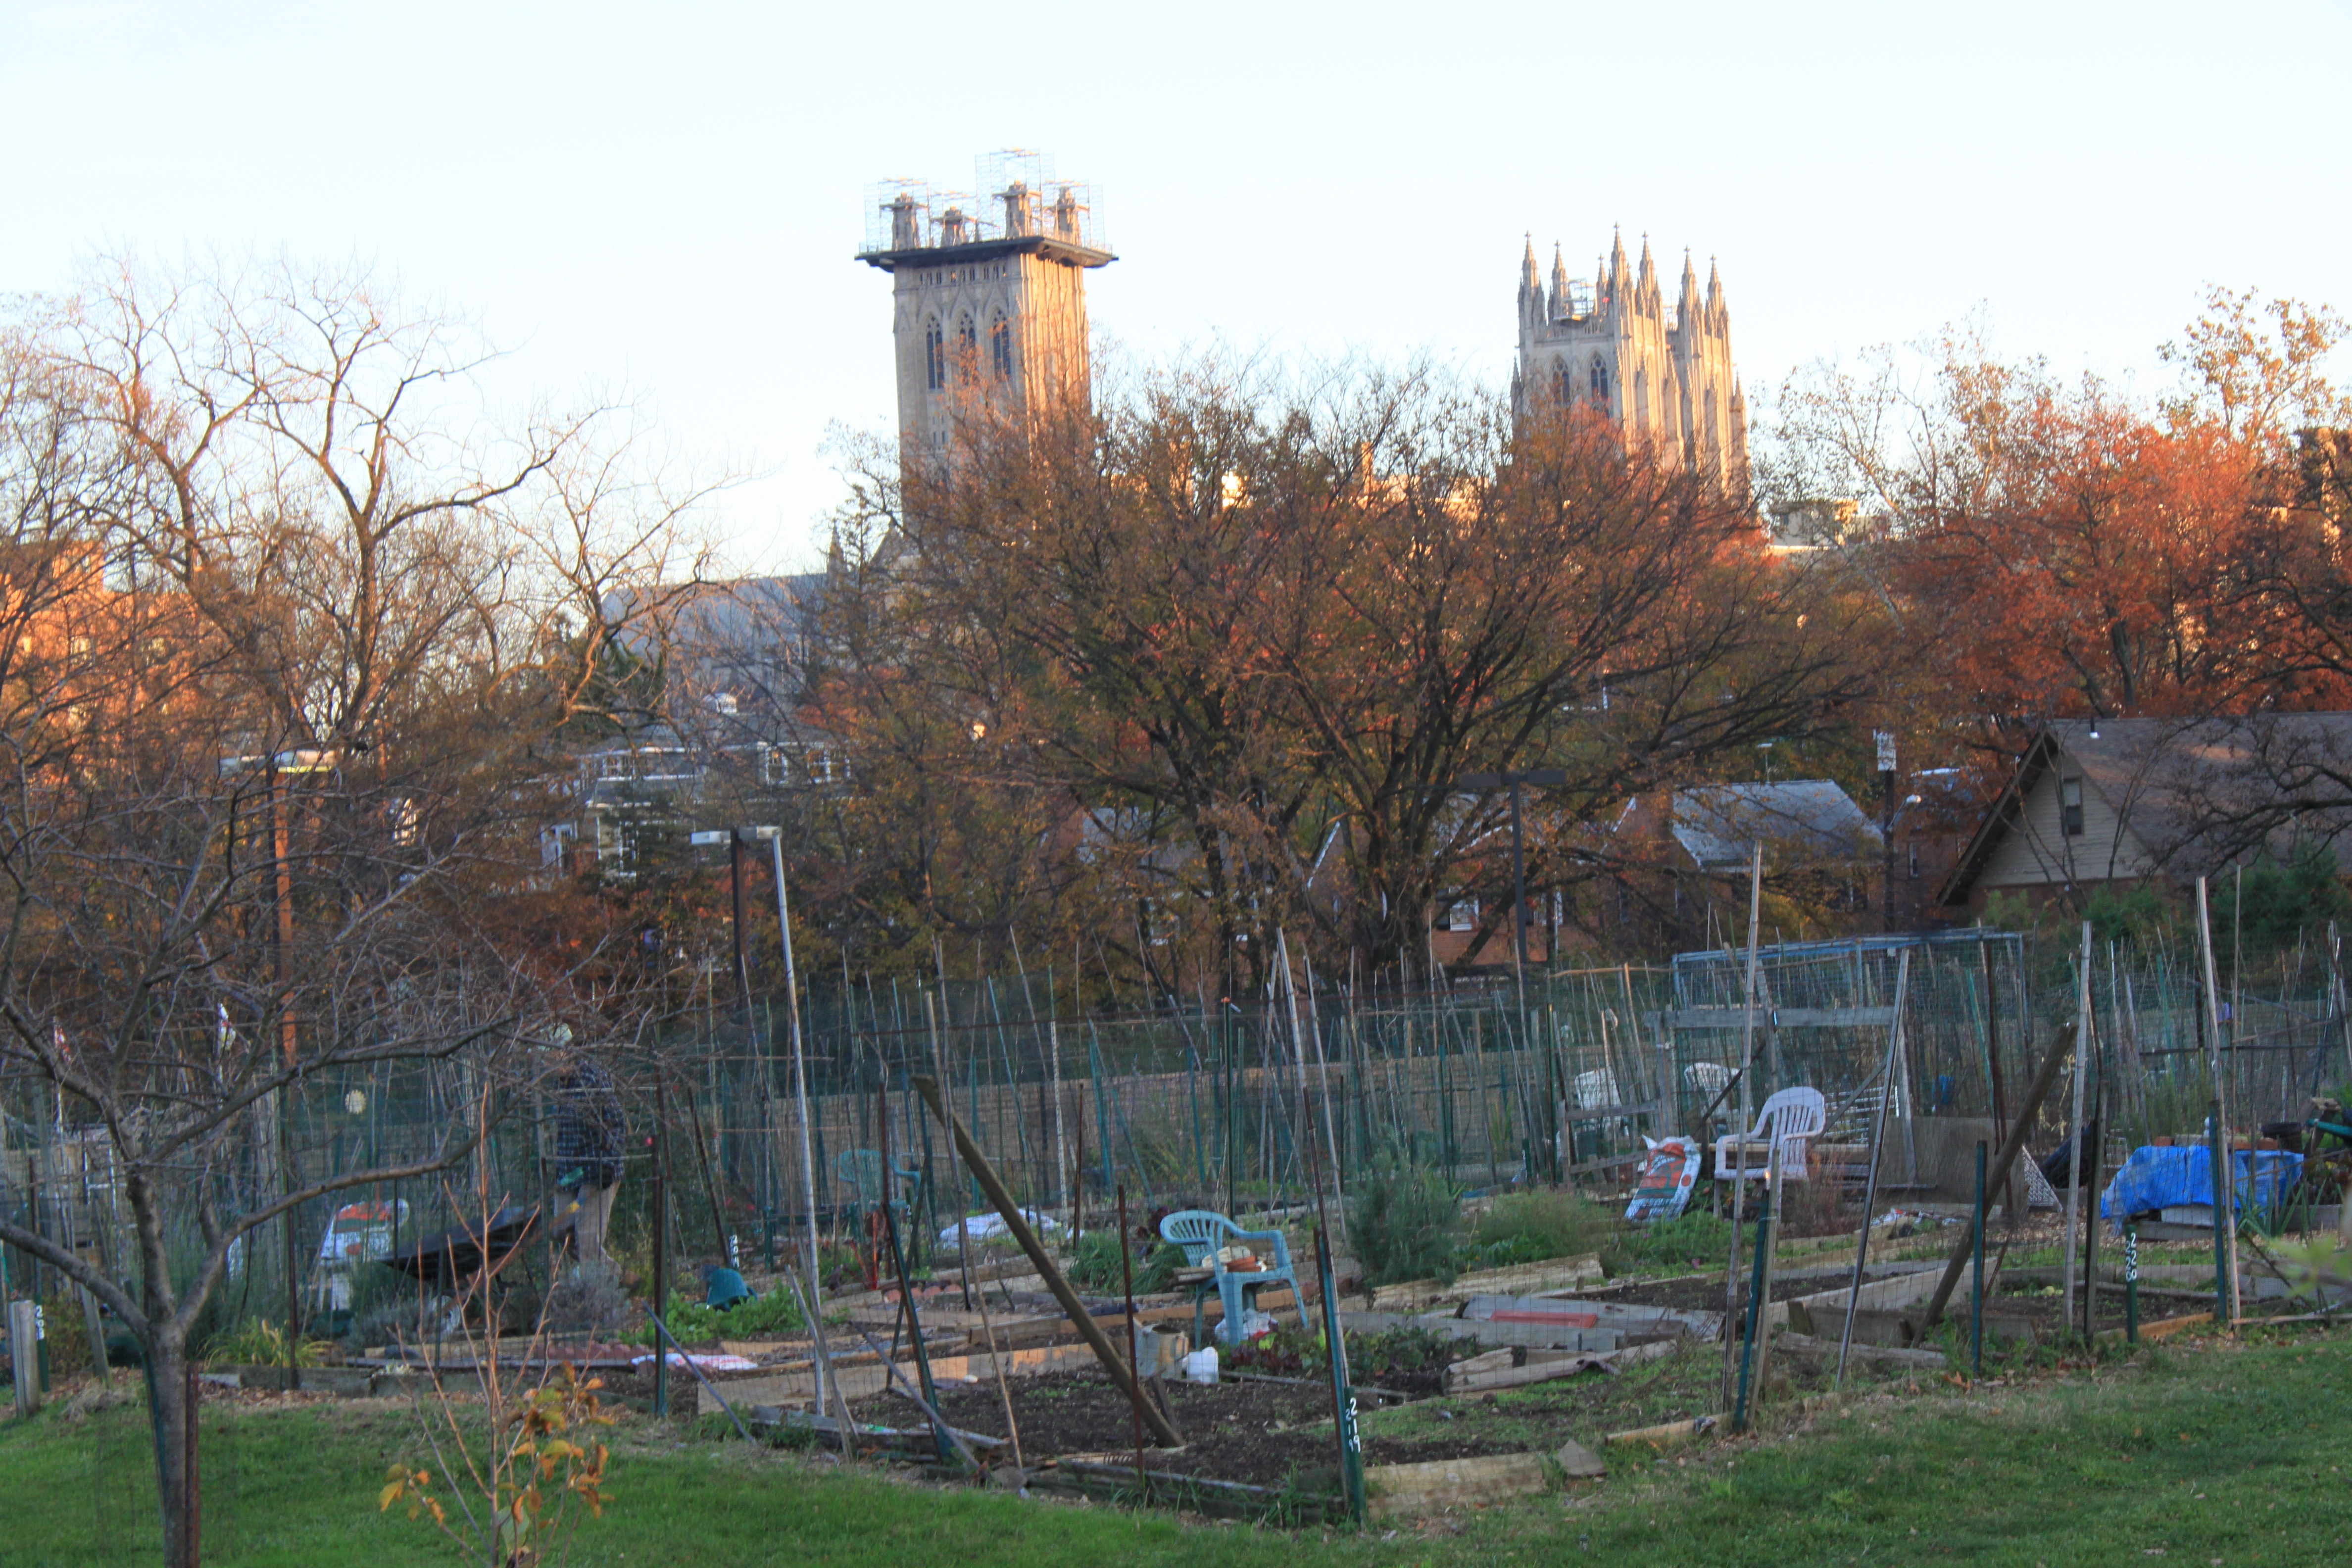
292, 630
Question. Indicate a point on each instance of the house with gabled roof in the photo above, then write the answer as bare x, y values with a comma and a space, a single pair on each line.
2115, 802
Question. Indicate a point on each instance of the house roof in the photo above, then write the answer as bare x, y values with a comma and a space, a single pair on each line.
2195, 793
1813, 819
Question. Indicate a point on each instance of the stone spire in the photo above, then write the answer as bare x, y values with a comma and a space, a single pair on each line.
1648, 286
1559, 306
1530, 280
1686, 306
1718, 313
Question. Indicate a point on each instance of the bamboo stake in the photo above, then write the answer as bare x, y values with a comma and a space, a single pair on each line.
2225, 1175
1047, 1269
1739, 1133
2074, 1161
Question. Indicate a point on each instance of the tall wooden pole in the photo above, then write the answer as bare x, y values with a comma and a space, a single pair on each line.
799, 1094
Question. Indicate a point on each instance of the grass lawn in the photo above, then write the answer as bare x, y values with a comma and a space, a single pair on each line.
2197, 1452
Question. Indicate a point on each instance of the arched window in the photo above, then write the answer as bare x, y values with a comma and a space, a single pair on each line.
1563, 384
1641, 400
1600, 382
935, 355
967, 347
999, 348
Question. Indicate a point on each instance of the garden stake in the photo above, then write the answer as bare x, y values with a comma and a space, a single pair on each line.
2225, 1213
195, 1514
2027, 1110
996, 1360
1047, 1269
1755, 1311
1134, 1359
2131, 1283
915, 1333
661, 1237
1976, 1291
1343, 1398
1870, 1179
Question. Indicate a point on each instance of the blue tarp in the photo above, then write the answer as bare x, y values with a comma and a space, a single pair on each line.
2156, 1178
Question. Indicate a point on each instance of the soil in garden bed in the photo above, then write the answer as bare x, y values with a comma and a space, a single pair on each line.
1260, 1433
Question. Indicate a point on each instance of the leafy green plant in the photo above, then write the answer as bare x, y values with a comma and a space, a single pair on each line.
1531, 1227
1694, 1238
691, 1322
260, 1342
1095, 1264
1405, 1221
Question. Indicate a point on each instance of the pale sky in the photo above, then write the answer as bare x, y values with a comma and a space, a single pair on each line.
669, 197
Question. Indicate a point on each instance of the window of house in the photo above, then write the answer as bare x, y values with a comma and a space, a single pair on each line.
2070, 807
1462, 915
935, 356
1915, 862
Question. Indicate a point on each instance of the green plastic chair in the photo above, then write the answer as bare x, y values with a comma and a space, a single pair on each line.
1203, 1233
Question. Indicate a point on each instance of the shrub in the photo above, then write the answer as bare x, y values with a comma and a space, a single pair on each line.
691, 1322
260, 1342
1694, 1237
1405, 1221
1095, 1264
1527, 1227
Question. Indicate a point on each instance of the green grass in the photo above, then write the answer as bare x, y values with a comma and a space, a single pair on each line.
2235, 1452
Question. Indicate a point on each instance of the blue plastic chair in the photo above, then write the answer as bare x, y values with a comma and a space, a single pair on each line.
1203, 1233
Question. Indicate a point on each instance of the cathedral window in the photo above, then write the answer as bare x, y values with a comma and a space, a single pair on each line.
1563, 386
935, 356
999, 348
967, 348
1600, 383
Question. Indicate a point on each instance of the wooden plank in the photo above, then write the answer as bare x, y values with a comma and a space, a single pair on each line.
1667, 1433
1782, 1018
870, 1379
1656, 1108
1529, 1278
1592, 1312
1537, 1335
1867, 1355
1547, 1369
1406, 1491
2162, 1328
1489, 1361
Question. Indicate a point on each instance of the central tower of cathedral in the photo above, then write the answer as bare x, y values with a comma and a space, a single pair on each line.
1666, 377
989, 296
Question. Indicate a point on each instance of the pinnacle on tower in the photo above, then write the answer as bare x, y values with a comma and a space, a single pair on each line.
1530, 279
1558, 282
1717, 310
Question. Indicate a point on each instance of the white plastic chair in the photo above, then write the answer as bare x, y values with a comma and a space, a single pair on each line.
1785, 1126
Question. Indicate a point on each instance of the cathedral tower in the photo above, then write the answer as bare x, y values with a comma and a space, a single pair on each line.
1663, 375
989, 295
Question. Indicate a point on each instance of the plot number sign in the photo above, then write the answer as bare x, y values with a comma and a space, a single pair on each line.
1885, 739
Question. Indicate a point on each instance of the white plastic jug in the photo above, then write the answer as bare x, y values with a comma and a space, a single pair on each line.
1201, 1366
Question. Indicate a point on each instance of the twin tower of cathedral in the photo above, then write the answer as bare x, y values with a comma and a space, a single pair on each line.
1612, 346
988, 303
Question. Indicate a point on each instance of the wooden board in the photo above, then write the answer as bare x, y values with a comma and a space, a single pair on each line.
1592, 1312
862, 1383
1668, 1434
1406, 1491
1863, 1354
1491, 1377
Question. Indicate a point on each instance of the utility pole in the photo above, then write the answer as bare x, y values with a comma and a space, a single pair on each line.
1887, 771
1479, 784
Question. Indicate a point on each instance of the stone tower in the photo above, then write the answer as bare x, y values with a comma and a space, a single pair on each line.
1666, 377
989, 296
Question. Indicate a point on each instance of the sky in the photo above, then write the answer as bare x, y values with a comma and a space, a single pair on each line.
667, 199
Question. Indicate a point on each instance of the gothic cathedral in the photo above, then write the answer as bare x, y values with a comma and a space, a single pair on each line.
988, 301
1610, 346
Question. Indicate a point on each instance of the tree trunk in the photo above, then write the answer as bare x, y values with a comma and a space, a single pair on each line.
167, 1394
